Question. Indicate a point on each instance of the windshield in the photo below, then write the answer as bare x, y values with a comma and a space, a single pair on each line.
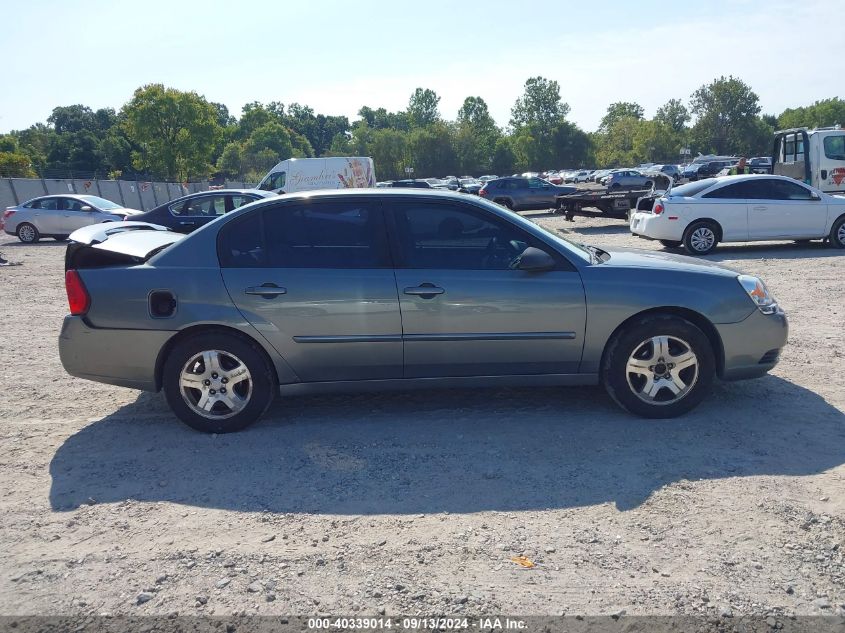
101, 203
691, 188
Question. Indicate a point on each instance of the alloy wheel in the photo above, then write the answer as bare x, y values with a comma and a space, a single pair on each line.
26, 233
662, 370
215, 384
702, 239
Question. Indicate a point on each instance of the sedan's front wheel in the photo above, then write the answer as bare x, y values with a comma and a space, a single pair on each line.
217, 382
660, 367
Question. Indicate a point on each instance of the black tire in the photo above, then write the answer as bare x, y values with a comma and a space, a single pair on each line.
61, 238
671, 243
648, 184
262, 378
701, 238
504, 202
837, 233
27, 233
622, 386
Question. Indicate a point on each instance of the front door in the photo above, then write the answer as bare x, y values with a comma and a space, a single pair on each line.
316, 279
465, 311
784, 209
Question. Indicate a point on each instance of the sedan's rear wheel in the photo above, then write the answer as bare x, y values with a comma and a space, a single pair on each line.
701, 238
218, 383
660, 367
27, 233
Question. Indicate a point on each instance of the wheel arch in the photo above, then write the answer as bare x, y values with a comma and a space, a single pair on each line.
180, 336
715, 223
696, 318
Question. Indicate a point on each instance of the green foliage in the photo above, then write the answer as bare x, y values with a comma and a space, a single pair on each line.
175, 130
432, 150
673, 114
620, 110
824, 113
540, 104
15, 165
727, 111
422, 107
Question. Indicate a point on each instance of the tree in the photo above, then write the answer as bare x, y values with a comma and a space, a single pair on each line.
540, 104
176, 131
619, 110
674, 114
727, 112
230, 163
389, 151
504, 159
822, 113
15, 165
475, 135
432, 151
422, 107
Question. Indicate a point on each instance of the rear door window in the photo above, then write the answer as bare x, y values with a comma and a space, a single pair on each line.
736, 191
326, 234
46, 204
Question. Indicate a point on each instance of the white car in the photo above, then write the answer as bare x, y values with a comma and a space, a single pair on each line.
745, 208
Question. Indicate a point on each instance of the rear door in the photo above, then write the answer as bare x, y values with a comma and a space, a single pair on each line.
315, 277
47, 217
465, 311
784, 209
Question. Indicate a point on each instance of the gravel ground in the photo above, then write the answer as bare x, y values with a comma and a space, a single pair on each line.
408, 503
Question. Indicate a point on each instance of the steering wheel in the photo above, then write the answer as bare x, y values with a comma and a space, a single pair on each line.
497, 255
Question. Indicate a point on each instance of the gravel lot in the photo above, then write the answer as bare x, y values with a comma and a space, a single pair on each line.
411, 503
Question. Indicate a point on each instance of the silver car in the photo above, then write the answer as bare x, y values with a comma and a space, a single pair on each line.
58, 216
628, 179
399, 289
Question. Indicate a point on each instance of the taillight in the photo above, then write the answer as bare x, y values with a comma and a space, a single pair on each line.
77, 295
657, 209
8, 214
482, 192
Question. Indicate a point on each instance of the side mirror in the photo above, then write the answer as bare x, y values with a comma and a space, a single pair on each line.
85, 208
534, 260
815, 196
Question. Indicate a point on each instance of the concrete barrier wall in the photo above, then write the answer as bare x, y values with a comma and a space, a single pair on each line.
129, 193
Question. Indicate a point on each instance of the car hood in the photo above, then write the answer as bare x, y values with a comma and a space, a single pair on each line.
637, 258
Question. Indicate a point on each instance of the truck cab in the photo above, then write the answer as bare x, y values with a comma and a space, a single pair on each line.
815, 157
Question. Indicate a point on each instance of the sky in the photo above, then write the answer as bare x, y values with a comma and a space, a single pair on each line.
338, 56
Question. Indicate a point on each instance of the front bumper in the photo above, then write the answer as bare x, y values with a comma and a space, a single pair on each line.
752, 346
126, 358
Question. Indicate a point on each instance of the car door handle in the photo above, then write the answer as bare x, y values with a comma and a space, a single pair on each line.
760, 208
424, 291
187, 223
266, 290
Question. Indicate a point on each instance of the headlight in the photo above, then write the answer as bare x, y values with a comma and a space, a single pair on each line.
758, 293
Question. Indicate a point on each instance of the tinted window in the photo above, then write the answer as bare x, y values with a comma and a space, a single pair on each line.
736, 191
101, 203
326, 235
536, 183
834, 147
772, 189
691, 188
241, 200
206, 206
443, 236
240, 244
72, 204
48, 204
